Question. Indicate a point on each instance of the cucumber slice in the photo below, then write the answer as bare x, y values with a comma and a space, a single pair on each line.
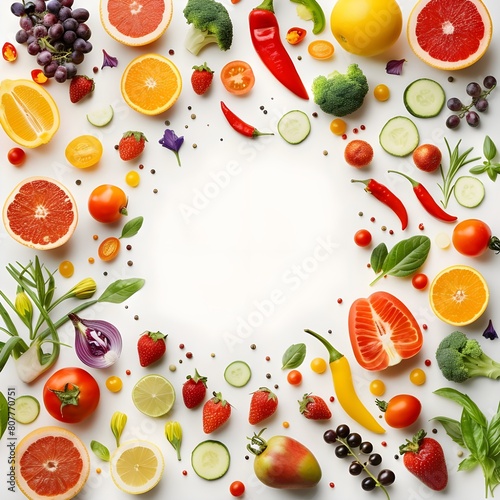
469, 191
101, 117
399, 136
210, 459
294, 126
424, 98
237, 374
26, 409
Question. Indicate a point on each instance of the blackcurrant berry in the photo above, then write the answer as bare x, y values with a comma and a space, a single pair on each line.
355, 469
366, 447
341, 451
386, 477
375, 459
353, 439
330, 436
368, 483
343, 430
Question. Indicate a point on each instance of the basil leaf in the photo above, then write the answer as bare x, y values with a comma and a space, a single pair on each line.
493, 434
479, 169
100, 450
407, 256
452, 428
469, 463
489, 148
4, 414
121, 290
474, 436
131, 228
294, 356
378, 256
466, 402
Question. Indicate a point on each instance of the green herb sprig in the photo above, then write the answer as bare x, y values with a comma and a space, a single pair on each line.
294, 356
490, 167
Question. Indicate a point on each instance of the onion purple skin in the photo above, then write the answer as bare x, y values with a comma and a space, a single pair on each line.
98, 343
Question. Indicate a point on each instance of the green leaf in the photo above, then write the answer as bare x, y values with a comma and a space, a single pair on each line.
14, 344
100, 450
452, 428
468, 463
493, 434
132, 227
378, 256
479, 169
492, 174
465, 402
4, 414
489, 148
121, 290
474, 436
294, 356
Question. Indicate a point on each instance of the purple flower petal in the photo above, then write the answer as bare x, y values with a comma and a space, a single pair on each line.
490, 332
108, 60
171, 141
395, 66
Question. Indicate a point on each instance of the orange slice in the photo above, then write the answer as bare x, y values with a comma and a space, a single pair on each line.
136, 22
40, 213
449, 35
459, 295
28, 113
151, 84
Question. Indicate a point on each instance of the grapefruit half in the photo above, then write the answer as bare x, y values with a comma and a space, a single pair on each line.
40, 213
135, 22
449, 35
51, 463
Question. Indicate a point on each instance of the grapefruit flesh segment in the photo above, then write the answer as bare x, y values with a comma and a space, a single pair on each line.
383, 331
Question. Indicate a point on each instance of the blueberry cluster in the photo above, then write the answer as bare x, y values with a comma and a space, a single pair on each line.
479, 101
55, 34
351, 444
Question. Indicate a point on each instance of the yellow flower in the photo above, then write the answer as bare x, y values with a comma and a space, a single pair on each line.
173, 432
118, 422
84, 289
24, 307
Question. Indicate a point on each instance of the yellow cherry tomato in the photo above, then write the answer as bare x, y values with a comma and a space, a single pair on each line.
321, 49
338, 126
66, 269
418, 376
109, 249
377, 387
114, 384
132, 178
381, 92
318, 365
84, 151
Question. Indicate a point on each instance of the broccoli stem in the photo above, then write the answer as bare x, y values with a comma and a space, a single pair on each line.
483, 366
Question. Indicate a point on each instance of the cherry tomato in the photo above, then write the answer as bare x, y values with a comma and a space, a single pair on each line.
109, 249
401, 410
132, 178
16, 156
321, 49
381, 92
318, 365
362, 238
418, 376
75, 385
419, 281
237, 488
114, 384
377, 387
107, 203
84, 151
294, 377
338, 126
9, 52
237, 77
66, 269
471, 237
295, 35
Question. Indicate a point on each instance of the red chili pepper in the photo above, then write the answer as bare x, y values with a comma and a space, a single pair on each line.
386, 196
239, 125
265, 35
427, 200
295, 35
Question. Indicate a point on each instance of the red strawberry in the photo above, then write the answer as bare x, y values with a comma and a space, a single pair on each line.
262, 405
424, 458
151, 346
314, 408
194, 390
201, 79
131, 145
216, 411
80, 87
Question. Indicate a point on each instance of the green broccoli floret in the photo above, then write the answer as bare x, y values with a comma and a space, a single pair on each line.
341, 94
460, 358
209, 23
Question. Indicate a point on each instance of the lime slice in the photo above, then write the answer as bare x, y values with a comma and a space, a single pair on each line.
26, 409
101, 117
153, 395
137, 466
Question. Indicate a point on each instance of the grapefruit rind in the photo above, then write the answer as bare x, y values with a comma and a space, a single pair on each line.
126, 11
11, 202
66, 439
449, 65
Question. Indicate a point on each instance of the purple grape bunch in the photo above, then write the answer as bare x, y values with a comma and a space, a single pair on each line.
55, 33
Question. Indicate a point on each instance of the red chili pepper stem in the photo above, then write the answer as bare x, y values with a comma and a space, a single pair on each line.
239, 125
386, 196
426, 199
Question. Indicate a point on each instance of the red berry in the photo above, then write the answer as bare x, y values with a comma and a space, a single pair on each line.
201, 79
262, 405
151, 346
131, 145
80, 87
314, 408
194, 390
216, 412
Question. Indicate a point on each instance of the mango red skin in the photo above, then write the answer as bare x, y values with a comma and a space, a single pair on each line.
287, 464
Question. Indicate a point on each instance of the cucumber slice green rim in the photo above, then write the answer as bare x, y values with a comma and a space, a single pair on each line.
101, 117
294, 126
26, 409
399, 136
469, 191
237, 373
210, 459
424, 98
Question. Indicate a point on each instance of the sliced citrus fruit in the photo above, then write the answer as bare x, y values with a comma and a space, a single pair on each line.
153, 395
459, 295
40, 213
137, 466
136, 22
28, 113
383, 331
449, 35
151, 84
51, 463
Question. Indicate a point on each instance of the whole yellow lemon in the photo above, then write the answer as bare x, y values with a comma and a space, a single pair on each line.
366, 27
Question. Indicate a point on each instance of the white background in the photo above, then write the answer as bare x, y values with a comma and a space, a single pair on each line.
250, 242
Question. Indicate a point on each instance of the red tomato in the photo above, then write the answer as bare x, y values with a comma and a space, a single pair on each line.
16, 156
237, 77
401, 411
471, 237
419, 281
362, 238
71, 395
382, 331
294, 377
107, 203
237, 488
